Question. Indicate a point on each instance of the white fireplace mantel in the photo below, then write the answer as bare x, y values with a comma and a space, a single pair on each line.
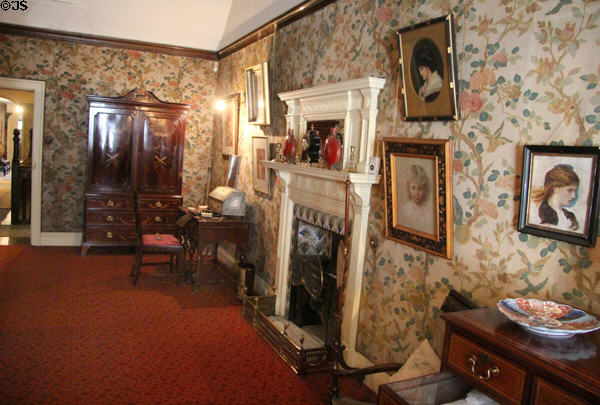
354, 101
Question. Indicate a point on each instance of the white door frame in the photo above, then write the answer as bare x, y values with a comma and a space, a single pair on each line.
38, 88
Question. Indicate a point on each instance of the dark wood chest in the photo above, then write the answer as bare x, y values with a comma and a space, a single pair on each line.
135, 143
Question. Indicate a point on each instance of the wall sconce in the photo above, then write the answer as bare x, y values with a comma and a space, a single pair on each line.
19, 109
220, 105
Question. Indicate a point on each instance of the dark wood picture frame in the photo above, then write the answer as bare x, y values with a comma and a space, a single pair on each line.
559, 193
429, 75
230, 124
418, 193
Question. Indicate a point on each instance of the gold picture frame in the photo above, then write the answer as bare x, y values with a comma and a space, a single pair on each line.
418, 193
261, 175
257, 94
230, 124
429, 75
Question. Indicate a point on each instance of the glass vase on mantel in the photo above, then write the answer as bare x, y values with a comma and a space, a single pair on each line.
332, 153
289, 147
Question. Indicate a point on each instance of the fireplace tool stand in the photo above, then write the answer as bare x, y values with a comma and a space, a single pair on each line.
338, 367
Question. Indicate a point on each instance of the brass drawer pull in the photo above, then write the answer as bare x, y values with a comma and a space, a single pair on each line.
157, 219
109, 235
110, 218
158, 204
110, 203
494, 371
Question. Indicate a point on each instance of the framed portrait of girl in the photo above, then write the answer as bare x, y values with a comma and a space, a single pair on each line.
559, 193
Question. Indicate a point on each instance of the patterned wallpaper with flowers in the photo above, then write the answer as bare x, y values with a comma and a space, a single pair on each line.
71, 72
528, 73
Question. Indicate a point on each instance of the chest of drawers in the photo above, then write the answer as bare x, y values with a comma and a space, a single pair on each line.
514, 366
486, 351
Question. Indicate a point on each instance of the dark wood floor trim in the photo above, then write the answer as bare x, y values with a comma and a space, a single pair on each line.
298, 12
56, 35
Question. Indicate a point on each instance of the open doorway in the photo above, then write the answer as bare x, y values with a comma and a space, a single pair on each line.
21, 109
16, 123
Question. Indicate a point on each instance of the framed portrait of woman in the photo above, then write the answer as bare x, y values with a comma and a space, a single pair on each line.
559, 193
429, 76
418, 192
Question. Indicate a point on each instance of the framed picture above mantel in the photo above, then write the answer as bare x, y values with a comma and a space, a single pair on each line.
429, 75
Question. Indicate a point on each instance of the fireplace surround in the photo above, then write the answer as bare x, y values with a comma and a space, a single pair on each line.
322, 190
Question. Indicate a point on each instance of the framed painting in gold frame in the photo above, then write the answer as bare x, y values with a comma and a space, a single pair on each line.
261, 176
418, 193
230, 124
429, 75
257, 94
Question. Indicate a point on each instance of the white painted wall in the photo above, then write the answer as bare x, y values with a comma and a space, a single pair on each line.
202, 24
188, 23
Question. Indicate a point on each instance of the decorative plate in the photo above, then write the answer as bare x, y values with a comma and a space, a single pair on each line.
548, 318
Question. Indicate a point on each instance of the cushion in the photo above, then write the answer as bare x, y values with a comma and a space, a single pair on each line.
422, 361
163, 239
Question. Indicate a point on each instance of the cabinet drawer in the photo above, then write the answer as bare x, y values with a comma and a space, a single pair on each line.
158, 217
107, 217
507, 383
549, 393
109, 202
110, 234
160, 203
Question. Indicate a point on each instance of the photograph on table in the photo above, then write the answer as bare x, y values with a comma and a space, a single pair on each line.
418, 192
559, 193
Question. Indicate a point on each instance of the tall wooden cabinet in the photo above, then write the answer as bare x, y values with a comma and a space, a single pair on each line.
135, 143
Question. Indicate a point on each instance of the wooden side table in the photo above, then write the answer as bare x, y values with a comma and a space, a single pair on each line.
486, 351
199, 232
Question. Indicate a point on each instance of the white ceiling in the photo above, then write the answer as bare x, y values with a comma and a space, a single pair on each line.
201, 24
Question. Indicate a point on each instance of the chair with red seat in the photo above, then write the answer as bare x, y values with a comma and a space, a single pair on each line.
154, 243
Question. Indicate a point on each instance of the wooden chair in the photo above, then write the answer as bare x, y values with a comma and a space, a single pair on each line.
154, 243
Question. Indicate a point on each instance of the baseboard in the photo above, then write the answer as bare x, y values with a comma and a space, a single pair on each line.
226, 259
61, 238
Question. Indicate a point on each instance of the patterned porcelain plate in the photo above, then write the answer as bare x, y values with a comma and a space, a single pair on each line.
548, 318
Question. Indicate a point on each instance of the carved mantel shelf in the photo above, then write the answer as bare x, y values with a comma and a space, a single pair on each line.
324, 189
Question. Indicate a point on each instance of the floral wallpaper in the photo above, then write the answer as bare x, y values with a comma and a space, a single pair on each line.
71, 72
528, 74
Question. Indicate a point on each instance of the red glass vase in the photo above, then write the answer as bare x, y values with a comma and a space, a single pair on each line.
289, 147
332, 154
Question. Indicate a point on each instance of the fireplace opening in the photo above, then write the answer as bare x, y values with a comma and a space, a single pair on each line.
313, 287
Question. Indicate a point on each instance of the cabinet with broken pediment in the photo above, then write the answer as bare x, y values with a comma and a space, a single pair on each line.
135, 143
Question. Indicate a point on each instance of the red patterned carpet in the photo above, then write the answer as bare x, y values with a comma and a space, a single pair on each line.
74, 330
